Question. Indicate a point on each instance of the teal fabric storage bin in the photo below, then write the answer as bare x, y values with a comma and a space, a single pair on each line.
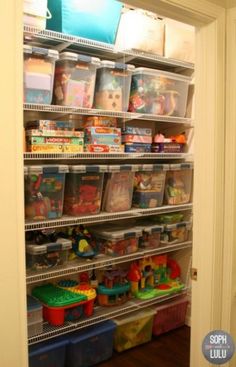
94, 19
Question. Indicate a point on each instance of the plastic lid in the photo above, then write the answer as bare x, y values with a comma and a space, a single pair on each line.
134, 317
88, 169
41, 51
170, 227
48, 169
33, 304
116, 65
180, 166
78, 57
153, 228
167, 74
59, 245
154, 167
116, 232
123, 167
91, 331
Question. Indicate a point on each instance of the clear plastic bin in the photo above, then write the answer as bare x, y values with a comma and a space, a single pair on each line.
149, 185
151, 236
119, 188
175, 233
113, 86
35, 13
39, 65
158, 92
35, 328
75, 77
117, 240
44, 191
47, 256
178, 186
134, 329
83, 190
48, 354
34, 310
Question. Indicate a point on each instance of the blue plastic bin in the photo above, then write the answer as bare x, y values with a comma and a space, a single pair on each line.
90, 346
94, 19
49, 354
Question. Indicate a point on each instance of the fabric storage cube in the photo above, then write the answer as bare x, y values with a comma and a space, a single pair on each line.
175, 233
75, 80
151, 235
119, 188
91, 345
169, 316
140, 30
178, 186
39, 65
132, 330
83, 190
149, 184
117, 240
179, 41
34, 316
47, 256
48, 354
35, 13
113, 86
44, 191
97, 20
158, 92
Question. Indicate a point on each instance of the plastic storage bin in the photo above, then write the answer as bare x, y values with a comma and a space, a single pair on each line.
44, 192
90, 346
113, 86
35, 13
75, 77
151, 235
158, 92
117, 240
149, 185
34, 316
178, 186
83, 190
175, 233
97, 20
132, 330
39, 65
169, 316
48, 354
119, 188
47, 256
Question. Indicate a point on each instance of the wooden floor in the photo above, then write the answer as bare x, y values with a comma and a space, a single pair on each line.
168, 350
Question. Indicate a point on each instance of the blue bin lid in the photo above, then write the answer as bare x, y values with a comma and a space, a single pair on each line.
48, 346
33, 304
92, 331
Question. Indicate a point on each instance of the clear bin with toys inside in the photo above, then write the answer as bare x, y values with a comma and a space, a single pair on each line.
83, 190
113, 86
75, 77
44, 191
178, 186
175, 233
151, 236
39, 65
34, 316
158, 92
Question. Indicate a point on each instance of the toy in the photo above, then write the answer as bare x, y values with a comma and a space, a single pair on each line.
109, 100
173, 144
101, 121
114, 289
178, 184
151, 235
175, 233
101, 148
103, 135
137, 148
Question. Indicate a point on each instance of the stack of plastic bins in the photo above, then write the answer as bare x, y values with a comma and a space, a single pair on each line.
48, 255
149, 185
175, 233
48, 354
113, 86
34, 316
158, 92
83, 190
35, 13
39, 65
75, 77
90, 346
151, 236
178, 186
44, 192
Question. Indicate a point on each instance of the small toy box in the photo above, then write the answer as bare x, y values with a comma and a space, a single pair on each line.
137, 148
113, 86
175, 233
102, 148
35, 13
75, 77
149, 185
133, 330
133, 130
48, 354
91, 345
172, 144
47, 256
119, 188
169, 316
39, 65
103, 135
178, 186
97, 20
151, 235
143, 139
117, 240
47, 126
158, 92
44, 191
83, 190
101, 121
34, 316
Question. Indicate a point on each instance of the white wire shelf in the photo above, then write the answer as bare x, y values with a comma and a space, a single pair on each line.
100, 261
62, 41
103, 217
68, 110
100, 314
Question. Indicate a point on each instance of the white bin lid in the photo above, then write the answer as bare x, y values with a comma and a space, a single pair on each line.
60, 245
71, 56
123, 167
116, 65
116, 232
167, 74
154, 167
41, 51
180, 166
47, 168
153, 228
88, 169
134, 316
170, 227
